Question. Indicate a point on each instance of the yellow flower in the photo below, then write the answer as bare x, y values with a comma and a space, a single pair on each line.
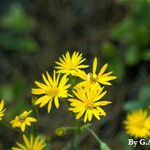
51, 89
93, 78
88, 102
69, 65
22, 120
2, 110
137, 124
34, 143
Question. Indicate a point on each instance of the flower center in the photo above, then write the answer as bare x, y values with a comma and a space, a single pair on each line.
53, 91
71, 66
92, 77
89, 104
21, 119
140, 125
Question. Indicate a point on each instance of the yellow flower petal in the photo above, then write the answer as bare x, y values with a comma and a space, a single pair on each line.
49, 106
56, 102
23, 126
94, 65
103, 69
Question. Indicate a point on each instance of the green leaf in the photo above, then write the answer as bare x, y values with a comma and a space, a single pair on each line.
28, 45
17, 43
133, 105
123, 139
104, 146
48, 146
132, 56
17, 20
119, 32
144, 94
142, 101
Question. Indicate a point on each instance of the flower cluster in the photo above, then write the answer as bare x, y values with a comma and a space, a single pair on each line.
86, 95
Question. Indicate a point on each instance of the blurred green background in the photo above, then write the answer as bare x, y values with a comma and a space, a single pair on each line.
33, 34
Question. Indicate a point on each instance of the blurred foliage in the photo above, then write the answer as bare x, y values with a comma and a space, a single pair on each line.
17, 20
17, 28
14, 94
141, 101
132, 36
123, 138
14, 90
130, 39
133, 32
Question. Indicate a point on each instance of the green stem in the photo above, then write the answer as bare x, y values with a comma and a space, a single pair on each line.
94, 134
76, 134
103, 145
74, 141
68, 128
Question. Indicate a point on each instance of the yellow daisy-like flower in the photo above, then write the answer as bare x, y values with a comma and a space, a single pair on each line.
34, 143
22, 120
137, 124
69, 65
2, 110
52, 89
88, 102
93, 78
